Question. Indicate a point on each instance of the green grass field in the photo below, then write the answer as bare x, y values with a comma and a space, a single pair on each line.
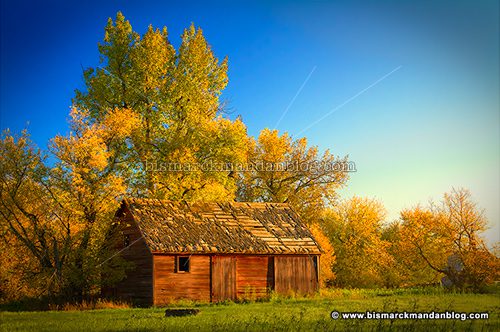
278, 314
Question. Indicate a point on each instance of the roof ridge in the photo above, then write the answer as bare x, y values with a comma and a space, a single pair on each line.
132, 198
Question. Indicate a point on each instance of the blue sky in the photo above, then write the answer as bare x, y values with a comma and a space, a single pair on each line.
431, 125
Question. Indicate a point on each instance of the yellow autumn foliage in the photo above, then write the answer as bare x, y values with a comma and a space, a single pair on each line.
287, 170
446, 239
354, 228
327, 260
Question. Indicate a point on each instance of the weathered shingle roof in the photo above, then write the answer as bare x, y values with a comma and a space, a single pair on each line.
260, 228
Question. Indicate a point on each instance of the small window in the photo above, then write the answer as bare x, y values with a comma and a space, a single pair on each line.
126, 240
183, 264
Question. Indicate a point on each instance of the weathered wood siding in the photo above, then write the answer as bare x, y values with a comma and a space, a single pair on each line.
218, 278
223, 278
295, 274
254, 276
170, 285
137, 286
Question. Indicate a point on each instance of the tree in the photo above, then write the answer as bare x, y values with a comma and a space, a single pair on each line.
406, 237
354, 229
395, 274
175, 94
446, 238
327, 260
32, 225
287, 171
18, 265
87, 182
54, 220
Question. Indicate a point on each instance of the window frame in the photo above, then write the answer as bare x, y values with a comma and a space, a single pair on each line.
178, 264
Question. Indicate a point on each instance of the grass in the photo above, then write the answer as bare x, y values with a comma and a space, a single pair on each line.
278, 314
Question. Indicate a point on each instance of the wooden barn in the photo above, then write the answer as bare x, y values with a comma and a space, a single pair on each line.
212, 251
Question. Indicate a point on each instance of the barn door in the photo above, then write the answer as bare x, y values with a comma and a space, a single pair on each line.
223, 278
295, 273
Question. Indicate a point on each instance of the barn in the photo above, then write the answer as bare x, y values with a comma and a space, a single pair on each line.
211, 251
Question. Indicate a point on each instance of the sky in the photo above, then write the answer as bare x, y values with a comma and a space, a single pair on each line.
409, 91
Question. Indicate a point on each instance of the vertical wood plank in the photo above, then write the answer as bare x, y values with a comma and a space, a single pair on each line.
223, 278
171, 286
137, 286
295, 274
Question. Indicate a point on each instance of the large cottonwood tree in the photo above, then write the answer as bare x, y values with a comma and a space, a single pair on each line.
175, 94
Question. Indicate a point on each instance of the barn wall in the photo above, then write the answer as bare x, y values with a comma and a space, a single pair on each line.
235, 277
295, 274
137, 287
169, 285
254, 276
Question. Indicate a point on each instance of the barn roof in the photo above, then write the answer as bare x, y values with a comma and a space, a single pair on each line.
258, 228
